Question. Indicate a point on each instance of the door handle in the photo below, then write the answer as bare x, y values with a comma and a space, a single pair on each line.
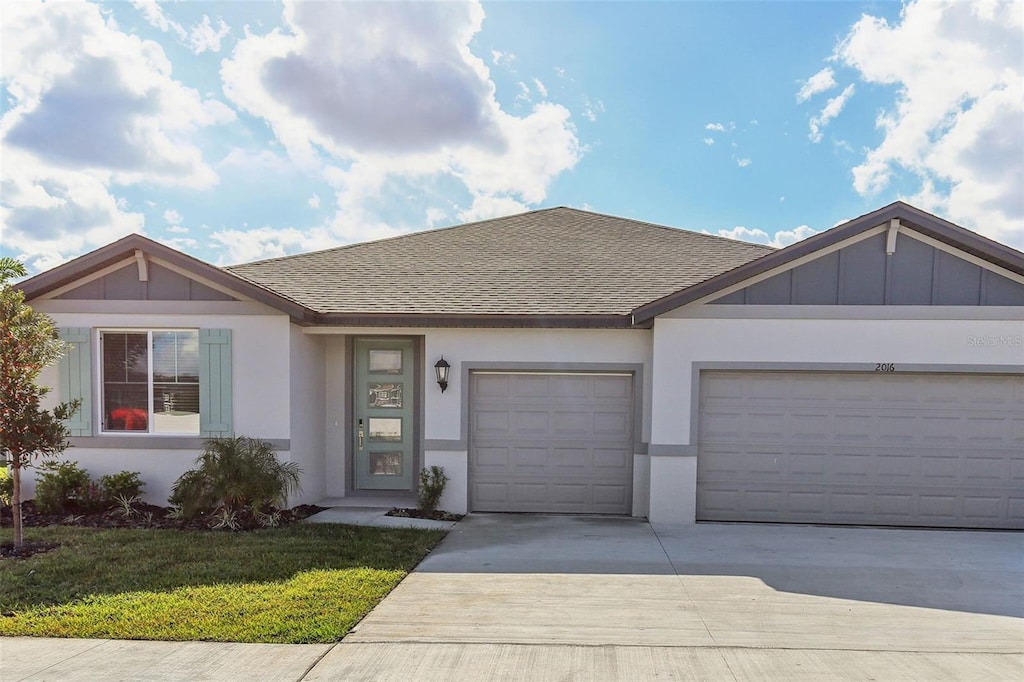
360, 439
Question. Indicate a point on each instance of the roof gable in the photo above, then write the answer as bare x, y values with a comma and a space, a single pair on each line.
138, 268
898, 255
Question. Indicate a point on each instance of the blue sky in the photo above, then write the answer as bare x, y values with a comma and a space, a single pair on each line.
242, 130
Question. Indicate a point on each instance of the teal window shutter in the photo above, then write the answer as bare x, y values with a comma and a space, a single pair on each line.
75, 369
215, 383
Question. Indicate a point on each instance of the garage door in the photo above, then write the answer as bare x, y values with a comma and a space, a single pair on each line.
550, 442
943, 450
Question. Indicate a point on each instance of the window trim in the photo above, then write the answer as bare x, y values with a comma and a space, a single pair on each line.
99, 384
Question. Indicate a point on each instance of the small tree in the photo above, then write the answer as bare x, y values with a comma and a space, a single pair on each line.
28, 343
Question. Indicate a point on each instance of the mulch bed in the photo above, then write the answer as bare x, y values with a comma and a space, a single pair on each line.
142, 516
412, 513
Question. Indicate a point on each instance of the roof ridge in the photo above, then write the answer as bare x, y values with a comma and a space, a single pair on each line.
477, 223
406, 235
671, 228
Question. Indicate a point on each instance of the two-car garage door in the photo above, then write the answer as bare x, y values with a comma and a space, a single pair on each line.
551, 442
943, 450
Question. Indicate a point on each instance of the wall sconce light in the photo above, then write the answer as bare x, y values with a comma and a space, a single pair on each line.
441, 370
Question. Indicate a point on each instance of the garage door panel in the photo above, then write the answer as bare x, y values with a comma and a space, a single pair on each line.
572, 423
616, 424
933, 450
571, 460
492, 386
614, 389
612, 458
492, 458
491, 422
570, 387
568, 448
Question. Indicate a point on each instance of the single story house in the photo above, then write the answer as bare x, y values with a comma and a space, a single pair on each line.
870, 374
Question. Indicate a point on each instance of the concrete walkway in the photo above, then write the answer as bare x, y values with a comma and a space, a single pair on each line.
583, 598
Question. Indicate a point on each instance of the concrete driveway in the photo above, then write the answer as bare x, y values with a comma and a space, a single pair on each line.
548, 597
509, 597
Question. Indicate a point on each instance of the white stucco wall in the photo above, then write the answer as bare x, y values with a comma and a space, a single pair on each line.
308, 434
260, 383
335, 412
679, 343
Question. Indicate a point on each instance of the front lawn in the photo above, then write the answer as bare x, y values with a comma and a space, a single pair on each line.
301, 584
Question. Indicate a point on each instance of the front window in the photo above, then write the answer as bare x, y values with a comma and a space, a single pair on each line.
151, 381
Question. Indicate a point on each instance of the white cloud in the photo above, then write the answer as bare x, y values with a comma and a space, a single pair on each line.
243, 246
498, 57
957, 122
176, 229
313, 201
717, 127
524, 92
832, 109
540, 87
709, 141
378, 99
743, 163
492, 207
822, 81
172, 217
778, 240
89, 108
204, 37
154, 15
591, 109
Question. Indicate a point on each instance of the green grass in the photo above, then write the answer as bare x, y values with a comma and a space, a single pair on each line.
301, 584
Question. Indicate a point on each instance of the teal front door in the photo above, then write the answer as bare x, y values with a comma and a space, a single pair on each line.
383, 435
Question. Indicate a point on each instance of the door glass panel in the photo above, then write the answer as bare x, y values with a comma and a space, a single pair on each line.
385, 463
385, 362
385, 395
386, 430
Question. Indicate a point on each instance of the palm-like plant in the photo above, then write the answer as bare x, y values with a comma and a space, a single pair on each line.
234, 474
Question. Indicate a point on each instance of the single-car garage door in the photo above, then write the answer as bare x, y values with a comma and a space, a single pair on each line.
943, 450
551, 442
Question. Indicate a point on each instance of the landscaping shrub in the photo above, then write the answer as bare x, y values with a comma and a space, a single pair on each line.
65, 486
6, 487
432, 484
59, 484
235, 475
122, 485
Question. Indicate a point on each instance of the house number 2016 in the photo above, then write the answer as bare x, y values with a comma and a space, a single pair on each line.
885, 367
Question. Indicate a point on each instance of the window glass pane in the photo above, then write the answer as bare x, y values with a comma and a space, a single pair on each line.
126, 389
385, 362
176, 382
386, 429
125, 382
384, 395
385, 463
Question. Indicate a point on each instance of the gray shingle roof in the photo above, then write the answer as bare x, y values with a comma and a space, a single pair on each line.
550, 262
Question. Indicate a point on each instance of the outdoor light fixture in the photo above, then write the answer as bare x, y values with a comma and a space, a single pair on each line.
441, 369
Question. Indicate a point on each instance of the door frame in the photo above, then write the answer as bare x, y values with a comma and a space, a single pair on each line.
350, 405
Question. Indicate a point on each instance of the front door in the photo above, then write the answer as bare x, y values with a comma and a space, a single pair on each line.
383, 390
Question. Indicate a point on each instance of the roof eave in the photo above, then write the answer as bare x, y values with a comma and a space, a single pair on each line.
591, 321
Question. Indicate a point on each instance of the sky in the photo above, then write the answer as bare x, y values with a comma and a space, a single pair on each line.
236, 131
